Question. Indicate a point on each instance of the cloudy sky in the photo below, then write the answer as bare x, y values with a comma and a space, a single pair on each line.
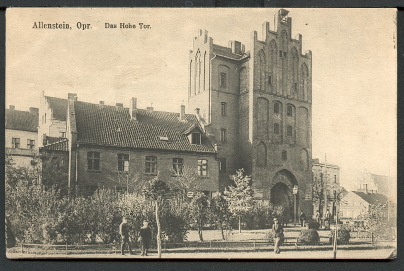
354, 67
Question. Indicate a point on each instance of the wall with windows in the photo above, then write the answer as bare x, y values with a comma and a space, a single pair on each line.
103, 166
21, 145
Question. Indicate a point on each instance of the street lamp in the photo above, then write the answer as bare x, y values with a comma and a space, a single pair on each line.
126, 170
295, 191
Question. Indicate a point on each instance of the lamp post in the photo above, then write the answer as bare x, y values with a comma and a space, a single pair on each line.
126, 170
295, 191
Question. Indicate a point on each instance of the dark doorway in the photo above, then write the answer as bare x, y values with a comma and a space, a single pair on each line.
281, 195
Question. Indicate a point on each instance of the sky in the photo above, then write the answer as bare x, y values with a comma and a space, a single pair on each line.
354, 82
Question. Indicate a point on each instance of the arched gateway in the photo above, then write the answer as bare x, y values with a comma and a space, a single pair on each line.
281, 191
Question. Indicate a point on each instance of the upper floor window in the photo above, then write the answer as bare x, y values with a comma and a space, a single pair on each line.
284, 155
224, 109
269, 80
280, 53
276, 128
223, 135
335, 178
222, 80
196, 138
178, 166
222, 165
289, 110
15, 142
277, 108
203, 167
93, 160
289, 130
151, 165
30, 144
122, 158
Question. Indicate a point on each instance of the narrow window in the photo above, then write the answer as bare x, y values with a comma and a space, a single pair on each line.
93, 160
269, 80
203, 167
280, 53
277, 108
276, 128
15, 141
295, 87
178, 166
289, 110
284, 54
30, 144
222, 79
224, 109
335, 178
284, 155
121, 162
196, 138
222, 165
62, 134
289, 131
223, 135
151, 165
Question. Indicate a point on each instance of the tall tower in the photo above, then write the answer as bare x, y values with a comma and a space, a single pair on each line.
257, 106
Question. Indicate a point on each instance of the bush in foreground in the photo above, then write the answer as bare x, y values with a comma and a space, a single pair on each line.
342, 238
313, 225
309, 237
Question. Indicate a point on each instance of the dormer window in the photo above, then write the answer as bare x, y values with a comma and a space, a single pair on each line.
196, 138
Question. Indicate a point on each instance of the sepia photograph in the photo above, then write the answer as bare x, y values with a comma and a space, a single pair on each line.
173, 133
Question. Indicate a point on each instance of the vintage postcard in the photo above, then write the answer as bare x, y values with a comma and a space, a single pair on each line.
147, 133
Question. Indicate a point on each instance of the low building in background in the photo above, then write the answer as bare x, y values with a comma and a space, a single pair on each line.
21, 135
356, 204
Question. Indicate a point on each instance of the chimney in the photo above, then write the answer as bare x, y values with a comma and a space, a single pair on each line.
182, 112
72, 96
197, 111
12, 107
365, 188
236, 47
149, 108
34, 110
133, 108
119, 104
102, 102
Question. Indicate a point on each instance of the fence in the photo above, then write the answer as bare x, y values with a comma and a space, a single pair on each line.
290, 243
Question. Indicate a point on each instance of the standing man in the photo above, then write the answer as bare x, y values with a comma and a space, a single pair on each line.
302, 218
327, 219
277, 231
145, 237
124, 232
318, 218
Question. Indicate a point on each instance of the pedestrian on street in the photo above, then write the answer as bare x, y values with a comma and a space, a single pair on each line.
124, 232
145, 237
277, 231
327, 219
318, 218
302, 218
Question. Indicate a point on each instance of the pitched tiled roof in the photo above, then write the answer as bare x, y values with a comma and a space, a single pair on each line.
224, 51
111, 126
21, 120
58, 106
372, 198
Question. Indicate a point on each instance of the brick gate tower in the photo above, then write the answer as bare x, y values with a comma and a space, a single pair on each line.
256, 106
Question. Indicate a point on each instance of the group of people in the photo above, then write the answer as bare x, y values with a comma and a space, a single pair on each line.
326, 221
145, 236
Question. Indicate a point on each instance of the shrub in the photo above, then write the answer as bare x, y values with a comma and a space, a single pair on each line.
343, 236
313, 225
309, 237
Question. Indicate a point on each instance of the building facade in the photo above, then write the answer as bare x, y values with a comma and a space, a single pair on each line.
329, 174
256, 106
117, 147
21, 135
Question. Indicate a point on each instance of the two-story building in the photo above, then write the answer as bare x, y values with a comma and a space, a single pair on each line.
106, 144
21, 135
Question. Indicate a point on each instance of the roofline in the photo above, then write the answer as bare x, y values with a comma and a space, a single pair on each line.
145, 149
